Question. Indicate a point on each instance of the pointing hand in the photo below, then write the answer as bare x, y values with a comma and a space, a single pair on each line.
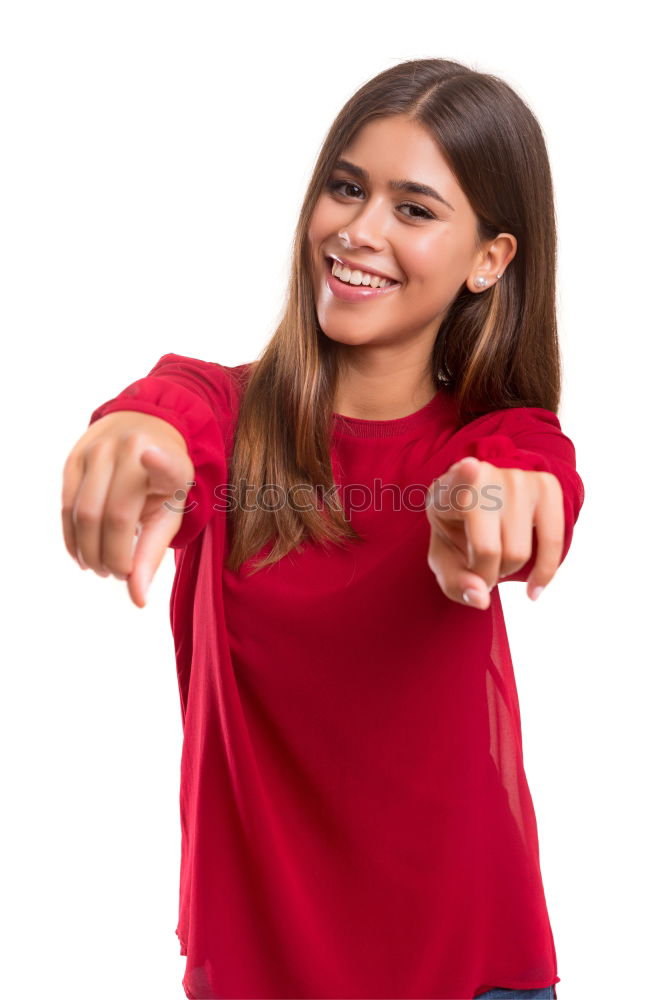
482, 520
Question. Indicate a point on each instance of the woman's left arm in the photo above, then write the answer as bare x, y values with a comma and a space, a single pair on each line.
516, 522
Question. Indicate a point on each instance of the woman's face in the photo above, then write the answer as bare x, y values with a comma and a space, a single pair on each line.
425, 243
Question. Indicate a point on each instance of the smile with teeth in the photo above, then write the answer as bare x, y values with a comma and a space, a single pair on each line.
359, 277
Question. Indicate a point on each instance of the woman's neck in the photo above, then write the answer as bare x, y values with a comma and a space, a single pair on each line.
382, 396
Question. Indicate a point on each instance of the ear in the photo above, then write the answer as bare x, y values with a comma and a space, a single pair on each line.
491, 262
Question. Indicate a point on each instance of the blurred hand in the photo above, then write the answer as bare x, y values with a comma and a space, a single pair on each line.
477, 537
116, 480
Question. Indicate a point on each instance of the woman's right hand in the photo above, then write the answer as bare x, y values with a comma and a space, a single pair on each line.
114, 488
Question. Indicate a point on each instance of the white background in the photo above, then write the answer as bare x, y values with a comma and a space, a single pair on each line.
154, 158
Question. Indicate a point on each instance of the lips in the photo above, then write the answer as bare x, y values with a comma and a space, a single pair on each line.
346, 292
356, 266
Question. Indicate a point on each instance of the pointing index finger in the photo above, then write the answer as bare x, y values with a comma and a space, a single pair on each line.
549, 524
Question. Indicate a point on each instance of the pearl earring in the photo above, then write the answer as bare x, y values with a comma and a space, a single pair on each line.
481, 282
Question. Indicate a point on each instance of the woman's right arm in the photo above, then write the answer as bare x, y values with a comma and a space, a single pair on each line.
115, 486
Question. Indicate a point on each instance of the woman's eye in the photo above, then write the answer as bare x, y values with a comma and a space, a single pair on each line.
426, 215
338, 185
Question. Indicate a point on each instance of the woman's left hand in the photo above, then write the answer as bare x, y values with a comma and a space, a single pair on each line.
481, 520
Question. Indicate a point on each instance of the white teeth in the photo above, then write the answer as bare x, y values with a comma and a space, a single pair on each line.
358, 277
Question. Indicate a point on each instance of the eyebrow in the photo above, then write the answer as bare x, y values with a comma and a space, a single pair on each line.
413, 187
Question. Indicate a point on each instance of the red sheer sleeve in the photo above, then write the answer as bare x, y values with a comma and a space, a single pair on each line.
197, 398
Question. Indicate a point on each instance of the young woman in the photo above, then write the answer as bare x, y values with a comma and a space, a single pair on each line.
356, 819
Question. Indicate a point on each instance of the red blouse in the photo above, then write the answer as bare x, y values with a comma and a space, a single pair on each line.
356, 819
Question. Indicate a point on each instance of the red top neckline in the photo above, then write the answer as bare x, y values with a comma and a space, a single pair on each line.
440, 403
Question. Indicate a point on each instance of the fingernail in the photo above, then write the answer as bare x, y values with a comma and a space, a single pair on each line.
473, 597
535, 593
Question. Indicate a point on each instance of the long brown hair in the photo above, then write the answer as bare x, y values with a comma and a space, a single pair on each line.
493, 350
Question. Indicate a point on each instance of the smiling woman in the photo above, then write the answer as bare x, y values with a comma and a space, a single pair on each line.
431, 183
430, 249
356, 817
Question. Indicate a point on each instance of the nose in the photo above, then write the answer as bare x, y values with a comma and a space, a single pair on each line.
366, 226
